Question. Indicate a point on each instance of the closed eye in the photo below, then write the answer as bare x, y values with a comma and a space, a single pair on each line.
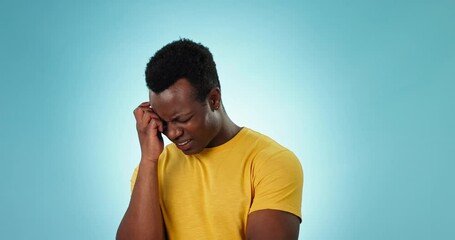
184, 120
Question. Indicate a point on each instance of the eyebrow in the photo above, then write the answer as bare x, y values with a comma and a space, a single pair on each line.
180, 116
174, 118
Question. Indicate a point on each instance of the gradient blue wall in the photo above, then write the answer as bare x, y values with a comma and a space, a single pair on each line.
361, 91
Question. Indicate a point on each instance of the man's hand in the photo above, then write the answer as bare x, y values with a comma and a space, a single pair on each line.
149, 128
143, 218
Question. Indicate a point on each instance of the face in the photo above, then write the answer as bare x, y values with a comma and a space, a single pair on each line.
190, 124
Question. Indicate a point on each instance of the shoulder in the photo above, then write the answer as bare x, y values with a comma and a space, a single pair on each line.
276, 177
267, 148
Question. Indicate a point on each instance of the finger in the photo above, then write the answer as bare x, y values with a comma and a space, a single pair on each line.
153, 113
156, 125
145, 120
152, 129
138, 114
156, 120
139, 111
159, 124
144, 104
153, 126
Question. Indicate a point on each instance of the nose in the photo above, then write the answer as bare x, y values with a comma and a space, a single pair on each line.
173, 132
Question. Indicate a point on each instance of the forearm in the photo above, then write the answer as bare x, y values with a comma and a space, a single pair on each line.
143, 218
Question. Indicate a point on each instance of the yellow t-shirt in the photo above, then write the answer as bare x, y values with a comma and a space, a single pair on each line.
210, 194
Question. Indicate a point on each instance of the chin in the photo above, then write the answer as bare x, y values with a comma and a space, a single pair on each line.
191, 151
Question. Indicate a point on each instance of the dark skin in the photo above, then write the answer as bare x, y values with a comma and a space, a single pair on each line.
192, 125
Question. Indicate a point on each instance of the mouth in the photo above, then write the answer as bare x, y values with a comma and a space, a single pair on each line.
181, 144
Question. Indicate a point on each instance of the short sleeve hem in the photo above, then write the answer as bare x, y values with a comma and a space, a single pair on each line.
293, 210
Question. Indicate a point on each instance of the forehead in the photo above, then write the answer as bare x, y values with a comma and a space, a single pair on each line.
175, 100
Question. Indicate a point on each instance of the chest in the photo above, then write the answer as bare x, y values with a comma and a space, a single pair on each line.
221, 183
197, 193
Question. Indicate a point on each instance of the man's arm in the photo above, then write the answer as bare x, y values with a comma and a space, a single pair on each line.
277, 196
272, 225
143, 218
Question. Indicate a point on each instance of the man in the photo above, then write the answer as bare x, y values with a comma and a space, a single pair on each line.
216, 180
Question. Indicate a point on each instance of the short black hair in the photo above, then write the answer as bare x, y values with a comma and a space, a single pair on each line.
182, 59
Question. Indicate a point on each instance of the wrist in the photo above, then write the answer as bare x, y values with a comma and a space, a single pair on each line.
148, 161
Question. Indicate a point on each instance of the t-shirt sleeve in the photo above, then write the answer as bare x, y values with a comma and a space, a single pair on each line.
133, 178
277, 183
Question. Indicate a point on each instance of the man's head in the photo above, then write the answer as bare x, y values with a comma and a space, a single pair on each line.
185, 94
182, 59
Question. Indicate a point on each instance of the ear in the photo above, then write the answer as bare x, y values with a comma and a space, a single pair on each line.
214, 99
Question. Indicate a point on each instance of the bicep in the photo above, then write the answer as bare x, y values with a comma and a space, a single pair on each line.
272, 224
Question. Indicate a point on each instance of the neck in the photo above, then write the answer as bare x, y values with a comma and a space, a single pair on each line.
227, 131
229, 128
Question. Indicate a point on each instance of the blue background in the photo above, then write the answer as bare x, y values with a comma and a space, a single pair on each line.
361, 91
